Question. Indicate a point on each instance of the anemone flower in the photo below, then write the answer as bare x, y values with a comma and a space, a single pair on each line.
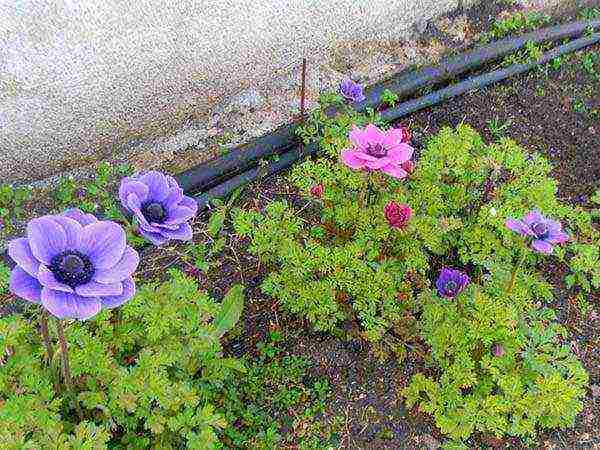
375, 149
544, 232
451, 282
73, 265
158, 204
352, 91
397, 215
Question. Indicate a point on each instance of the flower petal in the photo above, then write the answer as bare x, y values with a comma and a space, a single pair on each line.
25, 286
183, 233
533, 217
156, 238
104, 243
395, 171
20, 252
72, 230
46, 238
542, 246
66, 305
179, 214
378, 164
190, 203
94, 289
157, 185
122, 270
174, 198
79, 216
112, 301
131, 186
400, 153
557, 237
518, 227
352, 160
47, 279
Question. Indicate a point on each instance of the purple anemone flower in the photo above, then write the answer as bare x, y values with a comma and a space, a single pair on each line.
352, 91
73, 265
451, 282
158, 204
544, 232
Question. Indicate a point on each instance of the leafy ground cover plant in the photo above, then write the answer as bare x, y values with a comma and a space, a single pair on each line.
141, 374
374, 230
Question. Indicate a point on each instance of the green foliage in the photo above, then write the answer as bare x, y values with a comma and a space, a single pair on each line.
535, 383
4, 278
95, 195
389, 97
517, 23
12, 202
98, 195
340, 260
277, 391
141, 373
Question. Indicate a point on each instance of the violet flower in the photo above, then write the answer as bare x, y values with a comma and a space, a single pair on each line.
375, 149
544, 232
352, 91
73, 265
158, 204
451, 282
397, 215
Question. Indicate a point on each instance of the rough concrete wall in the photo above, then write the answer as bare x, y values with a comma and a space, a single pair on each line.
79, 78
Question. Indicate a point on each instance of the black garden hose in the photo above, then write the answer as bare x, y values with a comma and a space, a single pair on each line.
209, 174
402, 110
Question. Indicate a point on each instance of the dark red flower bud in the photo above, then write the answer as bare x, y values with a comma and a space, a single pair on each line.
317, 190
397, 215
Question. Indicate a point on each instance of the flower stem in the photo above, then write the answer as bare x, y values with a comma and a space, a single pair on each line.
64, 353
46, 336
513, 275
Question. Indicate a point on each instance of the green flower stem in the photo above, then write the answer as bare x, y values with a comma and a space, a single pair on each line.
46, 336
64, 353
513, 275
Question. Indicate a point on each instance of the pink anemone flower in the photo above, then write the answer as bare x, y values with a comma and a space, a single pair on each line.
375, 149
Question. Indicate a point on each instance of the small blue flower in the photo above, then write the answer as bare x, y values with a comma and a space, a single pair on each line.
352, 91
451, 282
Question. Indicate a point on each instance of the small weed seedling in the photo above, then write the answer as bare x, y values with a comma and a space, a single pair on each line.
497, 128
389, 98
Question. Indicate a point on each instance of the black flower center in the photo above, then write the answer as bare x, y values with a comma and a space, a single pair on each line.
154, 212
451, 286
377, 150
72, 268
540, 230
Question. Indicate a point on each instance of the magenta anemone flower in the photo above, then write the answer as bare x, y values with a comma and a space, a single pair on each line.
158, 204
375, 149
73, 265
451, 282
397, 215
544, 232
352, 91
